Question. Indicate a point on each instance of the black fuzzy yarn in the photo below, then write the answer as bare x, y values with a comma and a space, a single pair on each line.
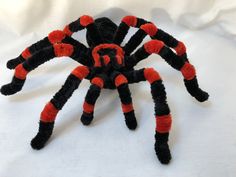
44, 133
102, 31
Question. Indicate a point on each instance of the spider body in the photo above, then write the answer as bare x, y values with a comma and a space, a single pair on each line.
108, 65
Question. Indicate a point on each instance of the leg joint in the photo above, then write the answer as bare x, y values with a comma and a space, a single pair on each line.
61, 50
153, 46
80, 72
151, 75
149, 29
86, 20
130, 20
120, 79
56, 36
98, 81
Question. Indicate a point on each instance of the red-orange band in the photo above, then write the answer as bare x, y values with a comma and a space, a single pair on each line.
20, 72
67, 31
153, 46
98, 81
188, 71
88, 108
130, 20
180, 49
49, 113
120, 79
127, 107
151, 75
163, 123
63, 49
149, 28
26, 54
56, 36
96, 56
80, 72
85, 20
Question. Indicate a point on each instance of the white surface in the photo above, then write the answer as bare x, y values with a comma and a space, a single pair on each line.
202, 139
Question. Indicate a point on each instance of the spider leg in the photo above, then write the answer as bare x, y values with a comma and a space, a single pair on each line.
91, 97
123, 28
121, 84
54, 37
82, 22
177, 62
21, 71
52, 108
162, 111
145, 28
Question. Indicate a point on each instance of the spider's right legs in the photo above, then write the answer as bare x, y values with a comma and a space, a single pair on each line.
51, 109
21, 71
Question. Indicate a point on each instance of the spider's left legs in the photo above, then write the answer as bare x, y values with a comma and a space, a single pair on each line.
51, 109
121, 84
177, 62
162, 111
91, 97
22, 70
54, 37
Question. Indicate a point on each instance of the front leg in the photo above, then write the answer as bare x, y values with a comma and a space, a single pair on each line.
91, 98
121, 84
162, 111
51, 109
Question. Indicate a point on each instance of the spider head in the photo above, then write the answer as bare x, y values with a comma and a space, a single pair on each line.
108, 55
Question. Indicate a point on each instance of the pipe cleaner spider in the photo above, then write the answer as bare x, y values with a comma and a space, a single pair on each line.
107, 65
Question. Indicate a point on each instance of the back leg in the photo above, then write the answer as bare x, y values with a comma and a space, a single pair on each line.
51, 109
91, 97
87, 22
106, 28
145, 28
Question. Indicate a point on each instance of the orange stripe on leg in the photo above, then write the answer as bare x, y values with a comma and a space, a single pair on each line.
149, 28
127, 107
153, 46
26, 54
180, 49
88, 108
163, 123
188, 71
63, 50
80, 72
67, 31
130, 20
120, 79
151, 75
86, 20
56, 36
20, 72
98, 81
49, 113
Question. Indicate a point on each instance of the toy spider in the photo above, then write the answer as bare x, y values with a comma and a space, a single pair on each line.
107, 65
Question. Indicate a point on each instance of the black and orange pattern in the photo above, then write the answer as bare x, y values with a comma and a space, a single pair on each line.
107, 65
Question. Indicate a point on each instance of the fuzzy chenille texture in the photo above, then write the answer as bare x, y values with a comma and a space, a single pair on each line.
107, 65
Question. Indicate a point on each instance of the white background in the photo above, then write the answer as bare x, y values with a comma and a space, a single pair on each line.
203, 136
